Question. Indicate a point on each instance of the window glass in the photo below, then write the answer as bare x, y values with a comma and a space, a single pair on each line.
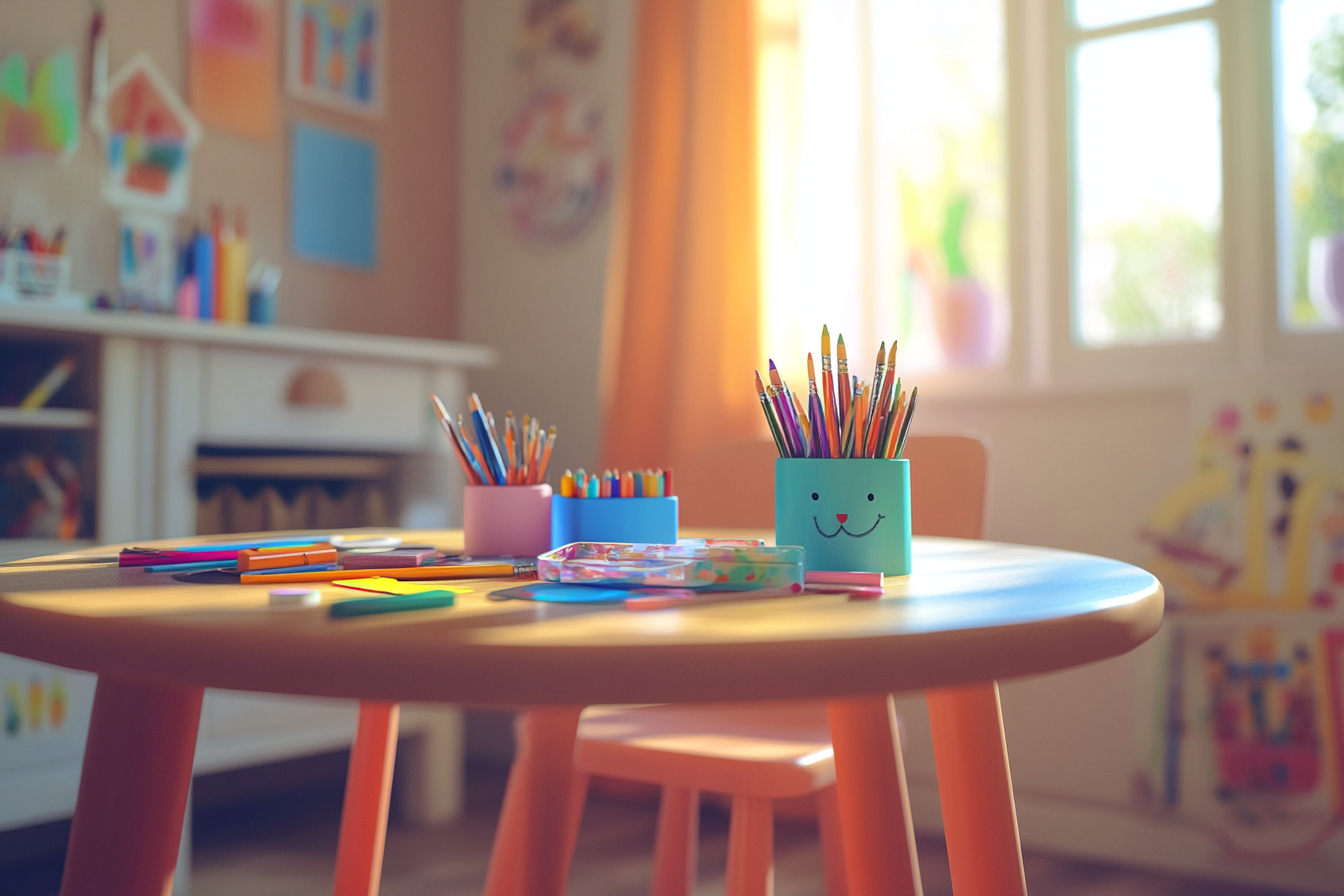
883, 175
1101, 13
1147, 187
1311, 115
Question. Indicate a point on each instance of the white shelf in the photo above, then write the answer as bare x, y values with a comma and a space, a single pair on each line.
47, 418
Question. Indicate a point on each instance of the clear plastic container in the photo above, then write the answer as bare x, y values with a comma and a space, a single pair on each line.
701, 565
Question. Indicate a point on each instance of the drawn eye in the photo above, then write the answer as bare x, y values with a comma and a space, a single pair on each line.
870, 496
815, 497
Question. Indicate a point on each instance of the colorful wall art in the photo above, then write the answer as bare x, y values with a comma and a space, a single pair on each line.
1260, 523
1250, 549
554, 172
234, 65
335, 53
148, 135
39, 120
333, 210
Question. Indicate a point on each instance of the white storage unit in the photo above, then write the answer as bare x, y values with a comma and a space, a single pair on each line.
164, 387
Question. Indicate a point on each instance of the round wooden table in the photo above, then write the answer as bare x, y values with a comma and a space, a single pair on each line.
972, 613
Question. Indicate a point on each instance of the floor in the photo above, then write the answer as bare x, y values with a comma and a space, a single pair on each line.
249, 840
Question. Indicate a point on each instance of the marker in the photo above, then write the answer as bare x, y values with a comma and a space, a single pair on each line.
396, 603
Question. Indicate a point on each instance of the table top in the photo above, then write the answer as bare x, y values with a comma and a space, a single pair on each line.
972, 611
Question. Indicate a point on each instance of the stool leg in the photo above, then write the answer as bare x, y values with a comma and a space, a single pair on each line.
675, 856
368, 789
979, 819
751, 848
133, 790
832, 844
528, 858
879, 840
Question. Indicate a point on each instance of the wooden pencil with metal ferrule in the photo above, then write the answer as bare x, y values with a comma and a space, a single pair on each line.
847, 435
804, 425
792, 432
865, 433
546, 456
844, 387
889, 449
889, 426
785, 420
770, 419
821, 447
905, 423
828, 395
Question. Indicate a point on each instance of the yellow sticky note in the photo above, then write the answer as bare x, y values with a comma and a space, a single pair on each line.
386, 585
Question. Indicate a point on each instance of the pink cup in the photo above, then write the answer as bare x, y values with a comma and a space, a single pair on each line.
506, 520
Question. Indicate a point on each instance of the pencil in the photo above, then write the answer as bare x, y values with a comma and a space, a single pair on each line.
488, 445
847, 439
905, 424
871, 410
786, 420
463, 457
886, 438
828, 395
821, 447
464, 571
804, 425
546, 456
510, 447
846, 390
770, 418
478, 457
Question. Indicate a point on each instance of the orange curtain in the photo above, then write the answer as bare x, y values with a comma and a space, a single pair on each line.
689, 288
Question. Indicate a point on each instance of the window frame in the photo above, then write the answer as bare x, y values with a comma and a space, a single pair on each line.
1253, 245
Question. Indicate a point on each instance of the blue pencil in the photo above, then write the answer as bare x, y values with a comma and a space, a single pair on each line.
489, 448
197, 566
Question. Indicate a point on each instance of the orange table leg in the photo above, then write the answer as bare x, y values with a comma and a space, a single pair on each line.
368, 790
533, 841
879, 840
979, 819
133, 790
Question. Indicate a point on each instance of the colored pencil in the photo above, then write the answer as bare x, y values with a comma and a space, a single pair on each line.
469, 468
770, 419
469, 439
402, 573
821, 446
828, 395
791, 432
905, 423
804, 425
846, 389
510, 448
886, 438
545, 457
870, 411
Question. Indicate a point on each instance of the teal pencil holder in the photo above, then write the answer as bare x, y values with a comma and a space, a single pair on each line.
625, 520
847, 514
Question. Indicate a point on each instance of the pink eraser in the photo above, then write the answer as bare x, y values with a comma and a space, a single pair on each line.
839, 577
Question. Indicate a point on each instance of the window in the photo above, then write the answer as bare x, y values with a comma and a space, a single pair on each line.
1055, 193
884, 179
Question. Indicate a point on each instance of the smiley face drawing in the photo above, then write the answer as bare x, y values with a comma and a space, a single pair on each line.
851, 514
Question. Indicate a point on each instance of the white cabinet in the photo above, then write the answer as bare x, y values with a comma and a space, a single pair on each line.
156, 390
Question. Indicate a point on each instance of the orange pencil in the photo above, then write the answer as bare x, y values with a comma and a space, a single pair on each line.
828, 394
889, 449
871, 410
509, 444
843, 385
465, 571
546, 456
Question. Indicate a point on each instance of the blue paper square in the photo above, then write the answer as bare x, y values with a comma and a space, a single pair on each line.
333, 211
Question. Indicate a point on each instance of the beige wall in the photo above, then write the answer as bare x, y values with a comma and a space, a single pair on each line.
413, 289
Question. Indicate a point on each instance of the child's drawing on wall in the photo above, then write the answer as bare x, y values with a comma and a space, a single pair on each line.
1260, 523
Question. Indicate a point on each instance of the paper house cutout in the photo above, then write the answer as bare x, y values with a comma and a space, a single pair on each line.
148, 138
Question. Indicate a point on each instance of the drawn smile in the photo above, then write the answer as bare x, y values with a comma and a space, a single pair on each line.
842, 528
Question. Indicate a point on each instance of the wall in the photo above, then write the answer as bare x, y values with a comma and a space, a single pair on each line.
539, 305
413, 289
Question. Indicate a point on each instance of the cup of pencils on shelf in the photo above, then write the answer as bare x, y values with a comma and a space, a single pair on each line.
506, 507
634, 507
842, 489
